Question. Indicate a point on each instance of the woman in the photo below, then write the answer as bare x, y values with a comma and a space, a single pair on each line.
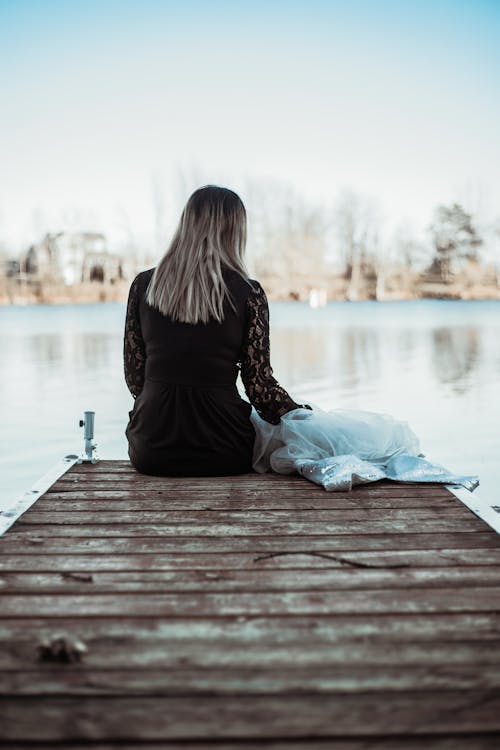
192, 323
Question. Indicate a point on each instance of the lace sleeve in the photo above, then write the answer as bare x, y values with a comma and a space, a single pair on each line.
265, 393
134, 349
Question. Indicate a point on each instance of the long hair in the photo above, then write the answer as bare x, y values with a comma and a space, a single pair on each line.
187, 284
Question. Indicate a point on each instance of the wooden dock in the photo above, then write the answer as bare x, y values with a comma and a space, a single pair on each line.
248, 612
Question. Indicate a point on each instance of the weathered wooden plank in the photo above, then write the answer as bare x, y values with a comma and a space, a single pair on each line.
263, 498
258, 528
255, 480
305, 715
108, 466
275, 679
112, 463
301, 488
358, 559
459, 599
129, 653
111, 500
251, 491
286, 485
224, 579
98, 516
442, 742
391, 629
70, 481
24, 542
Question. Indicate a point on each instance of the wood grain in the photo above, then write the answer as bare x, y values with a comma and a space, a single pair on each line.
334, 714
244, 612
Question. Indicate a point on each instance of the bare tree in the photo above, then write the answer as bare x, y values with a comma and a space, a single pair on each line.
409, 253
454, 236
495, 250
287, 240
357, 227
134, 252
160, 215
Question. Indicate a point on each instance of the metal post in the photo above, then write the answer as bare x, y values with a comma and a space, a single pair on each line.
89, 455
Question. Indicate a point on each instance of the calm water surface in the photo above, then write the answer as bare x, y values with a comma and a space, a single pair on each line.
433, 363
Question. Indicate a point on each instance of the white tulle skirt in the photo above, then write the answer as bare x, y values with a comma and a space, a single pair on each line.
344, 447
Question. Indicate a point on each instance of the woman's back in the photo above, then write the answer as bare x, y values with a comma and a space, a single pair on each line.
192, 323
195, 354
188, 417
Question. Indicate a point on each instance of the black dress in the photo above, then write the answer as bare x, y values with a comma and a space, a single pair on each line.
188, 418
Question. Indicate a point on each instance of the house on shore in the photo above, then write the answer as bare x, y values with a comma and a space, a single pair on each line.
72, 258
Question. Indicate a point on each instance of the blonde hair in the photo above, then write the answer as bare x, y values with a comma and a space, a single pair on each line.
187, 284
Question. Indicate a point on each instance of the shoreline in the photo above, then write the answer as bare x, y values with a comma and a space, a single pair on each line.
93, 293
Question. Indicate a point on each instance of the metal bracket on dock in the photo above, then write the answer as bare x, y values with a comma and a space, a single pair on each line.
89, 455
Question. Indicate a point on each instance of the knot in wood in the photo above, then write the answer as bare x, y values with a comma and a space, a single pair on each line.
61, 647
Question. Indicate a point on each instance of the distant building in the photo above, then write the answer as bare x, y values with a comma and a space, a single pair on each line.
73, 258
12, 268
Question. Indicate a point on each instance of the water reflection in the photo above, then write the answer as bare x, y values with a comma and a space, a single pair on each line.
299, 356
355, 358
94, 350
84, 350
359, 354
455, 355
45, 348
341, 355
406, 342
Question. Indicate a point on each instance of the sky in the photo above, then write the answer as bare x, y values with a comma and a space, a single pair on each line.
107, 104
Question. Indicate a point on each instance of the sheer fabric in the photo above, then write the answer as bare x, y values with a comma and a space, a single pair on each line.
340, 448
134, 350
264, 392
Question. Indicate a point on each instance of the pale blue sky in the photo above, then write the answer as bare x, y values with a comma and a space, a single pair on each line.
398, 100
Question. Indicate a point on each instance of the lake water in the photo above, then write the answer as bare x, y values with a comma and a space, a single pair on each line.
433, 363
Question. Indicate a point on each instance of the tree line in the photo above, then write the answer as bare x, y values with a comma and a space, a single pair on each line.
297, 247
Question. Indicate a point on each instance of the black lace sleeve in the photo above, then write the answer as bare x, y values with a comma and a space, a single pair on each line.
134, 349
265, 393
